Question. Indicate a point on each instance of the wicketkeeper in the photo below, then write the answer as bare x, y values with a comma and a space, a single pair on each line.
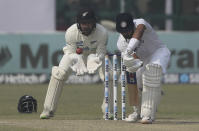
84, 53
137, 38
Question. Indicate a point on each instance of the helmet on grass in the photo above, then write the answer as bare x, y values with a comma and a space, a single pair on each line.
27, 104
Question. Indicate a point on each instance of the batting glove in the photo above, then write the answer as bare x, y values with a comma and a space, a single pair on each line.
132, 64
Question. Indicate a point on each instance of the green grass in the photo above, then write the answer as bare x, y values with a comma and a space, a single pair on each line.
83, 102
14, 128
180, 101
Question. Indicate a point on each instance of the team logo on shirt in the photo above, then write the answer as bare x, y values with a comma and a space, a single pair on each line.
86, 48
93, 49
79, 43
92, 42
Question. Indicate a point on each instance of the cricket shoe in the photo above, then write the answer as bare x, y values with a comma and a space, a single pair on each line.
146, 120
46, 115
133, 117
110, 116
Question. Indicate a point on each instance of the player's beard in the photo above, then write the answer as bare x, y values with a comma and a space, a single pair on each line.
128, 35
86, 31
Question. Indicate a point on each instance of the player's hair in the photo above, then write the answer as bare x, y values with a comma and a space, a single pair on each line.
124, 22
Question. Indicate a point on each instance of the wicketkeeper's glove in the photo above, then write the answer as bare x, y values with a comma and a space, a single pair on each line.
93, 63
78, 65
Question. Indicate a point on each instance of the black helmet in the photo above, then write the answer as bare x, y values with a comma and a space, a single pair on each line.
27, 104
124, 22
86, 15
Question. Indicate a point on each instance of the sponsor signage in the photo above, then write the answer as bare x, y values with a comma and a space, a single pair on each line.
181, 78
25, 54
23, 78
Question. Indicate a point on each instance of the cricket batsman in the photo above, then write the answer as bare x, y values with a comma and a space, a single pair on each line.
84, 53
138, 38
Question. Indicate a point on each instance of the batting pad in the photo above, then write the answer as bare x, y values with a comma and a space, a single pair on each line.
54, 89
151, 90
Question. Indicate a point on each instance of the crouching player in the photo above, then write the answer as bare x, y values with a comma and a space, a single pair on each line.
84, 53
138, 37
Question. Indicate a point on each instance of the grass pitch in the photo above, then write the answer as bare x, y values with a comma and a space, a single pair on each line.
79, 109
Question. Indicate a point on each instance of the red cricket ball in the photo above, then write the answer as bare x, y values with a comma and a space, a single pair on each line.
79, 50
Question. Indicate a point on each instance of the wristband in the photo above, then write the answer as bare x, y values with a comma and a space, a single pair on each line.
133, 43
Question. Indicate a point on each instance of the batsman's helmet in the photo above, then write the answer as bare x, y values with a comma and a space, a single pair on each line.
124, 22
86, 15
27, 104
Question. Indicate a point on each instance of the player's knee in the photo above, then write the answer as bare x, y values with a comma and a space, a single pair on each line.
152, 75
154, 70
58, 73
154, 67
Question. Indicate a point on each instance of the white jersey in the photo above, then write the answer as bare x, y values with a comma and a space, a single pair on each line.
149, 42
95, 43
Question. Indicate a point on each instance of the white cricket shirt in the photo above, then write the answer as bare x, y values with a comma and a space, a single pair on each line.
95, 43
149, 42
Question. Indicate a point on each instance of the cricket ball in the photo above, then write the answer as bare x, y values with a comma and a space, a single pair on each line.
79, 50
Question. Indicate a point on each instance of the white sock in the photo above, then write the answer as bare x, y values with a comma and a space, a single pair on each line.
136, 109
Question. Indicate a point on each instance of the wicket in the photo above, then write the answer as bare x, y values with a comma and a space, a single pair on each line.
115, 87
